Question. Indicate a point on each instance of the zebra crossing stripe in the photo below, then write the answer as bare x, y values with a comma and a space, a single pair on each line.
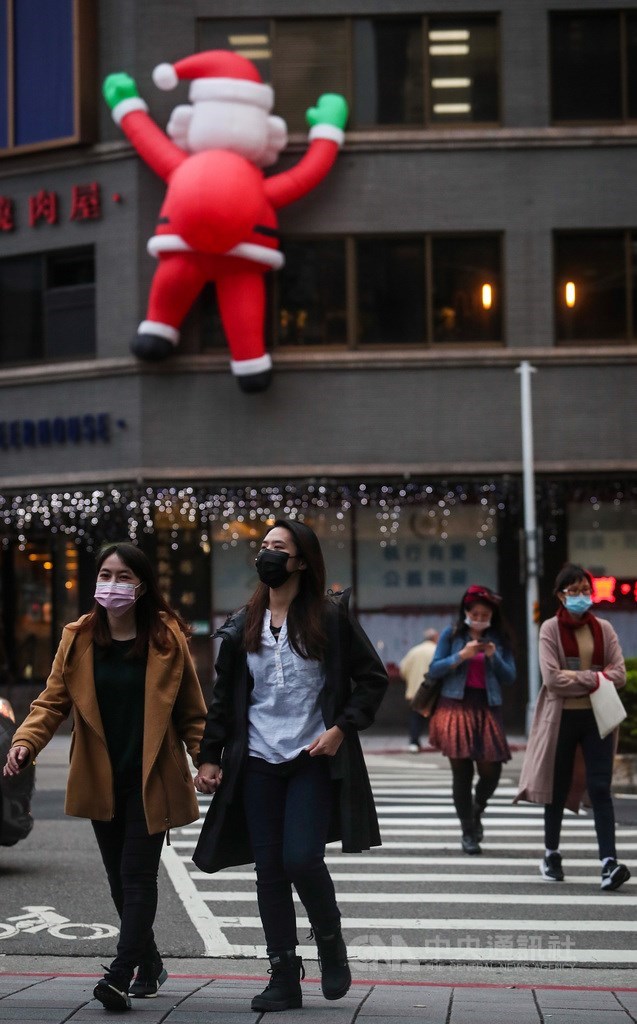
411, 877
553, 899
430, 924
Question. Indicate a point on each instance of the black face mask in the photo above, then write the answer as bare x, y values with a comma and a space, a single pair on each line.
271, 567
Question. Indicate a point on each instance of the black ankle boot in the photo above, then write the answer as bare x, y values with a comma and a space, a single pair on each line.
469, 842
283, 991
478, 830
336, 977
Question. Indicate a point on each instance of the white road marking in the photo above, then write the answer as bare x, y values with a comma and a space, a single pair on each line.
409, 877
467, 924
552, 899
202, 917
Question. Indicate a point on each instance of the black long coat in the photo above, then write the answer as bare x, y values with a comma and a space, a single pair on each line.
355, 684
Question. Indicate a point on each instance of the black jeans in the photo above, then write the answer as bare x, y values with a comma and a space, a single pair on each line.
288, 810
131, 858
579, 728
462, 780
416, 726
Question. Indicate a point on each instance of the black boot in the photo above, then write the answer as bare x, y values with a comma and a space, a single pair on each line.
469, 842
283, 991
336, 977
478, 830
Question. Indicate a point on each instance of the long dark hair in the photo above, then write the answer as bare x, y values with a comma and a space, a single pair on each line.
305, 619
150, 626
483, 595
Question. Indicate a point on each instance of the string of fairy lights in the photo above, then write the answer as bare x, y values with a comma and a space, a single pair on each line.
90, 516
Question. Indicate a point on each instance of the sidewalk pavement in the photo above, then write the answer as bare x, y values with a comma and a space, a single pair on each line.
38, 990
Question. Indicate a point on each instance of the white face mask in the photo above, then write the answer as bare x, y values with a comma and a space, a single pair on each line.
477, 624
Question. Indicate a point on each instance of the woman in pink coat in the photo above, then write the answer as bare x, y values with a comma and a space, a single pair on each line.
565, 755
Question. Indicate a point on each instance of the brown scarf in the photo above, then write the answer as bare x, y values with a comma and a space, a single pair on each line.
568, 624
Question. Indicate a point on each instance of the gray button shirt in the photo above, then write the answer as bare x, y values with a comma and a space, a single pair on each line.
284, 716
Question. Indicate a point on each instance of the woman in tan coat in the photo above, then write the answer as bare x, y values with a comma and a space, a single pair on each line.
565, 755
126, 673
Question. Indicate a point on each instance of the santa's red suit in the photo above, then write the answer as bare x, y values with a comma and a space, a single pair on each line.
218, 221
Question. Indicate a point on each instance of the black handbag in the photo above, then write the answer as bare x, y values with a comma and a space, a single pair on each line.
427, 696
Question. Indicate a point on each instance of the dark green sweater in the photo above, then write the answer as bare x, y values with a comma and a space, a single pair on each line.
119, 685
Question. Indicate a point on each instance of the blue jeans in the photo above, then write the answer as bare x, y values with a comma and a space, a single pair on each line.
579, 728
288, 810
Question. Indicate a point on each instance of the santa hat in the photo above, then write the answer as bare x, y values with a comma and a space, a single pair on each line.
218, 75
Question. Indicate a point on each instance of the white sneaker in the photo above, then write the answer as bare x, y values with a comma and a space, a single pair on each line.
414, 748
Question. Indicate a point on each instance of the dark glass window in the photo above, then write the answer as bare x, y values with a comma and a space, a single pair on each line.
391, 290
47, 57
310, 58
467, 300
388, 71
395, 71
591, 286
312, 307
586, 66
631, 70
379, 291
21, 309
463, 70
47, 307
248, 36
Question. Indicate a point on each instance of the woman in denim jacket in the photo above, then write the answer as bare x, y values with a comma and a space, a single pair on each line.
474, 659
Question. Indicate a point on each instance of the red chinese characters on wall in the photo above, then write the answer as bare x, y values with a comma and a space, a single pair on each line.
46, 207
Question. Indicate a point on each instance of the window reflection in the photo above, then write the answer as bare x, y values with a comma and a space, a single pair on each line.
466, 289
312, 294
463, 61
586, 66
391, 290
388, 71
590, 277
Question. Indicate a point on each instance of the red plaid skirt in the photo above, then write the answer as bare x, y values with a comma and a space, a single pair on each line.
469, 728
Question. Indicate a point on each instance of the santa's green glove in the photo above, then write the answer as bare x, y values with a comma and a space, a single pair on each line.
121, 94
330, 109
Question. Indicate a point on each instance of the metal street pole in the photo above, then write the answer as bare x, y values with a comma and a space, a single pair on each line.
530, 539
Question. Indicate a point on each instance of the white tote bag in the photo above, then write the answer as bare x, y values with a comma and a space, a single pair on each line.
607, 707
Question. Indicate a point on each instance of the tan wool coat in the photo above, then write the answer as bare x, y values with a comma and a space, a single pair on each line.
174, 715
536, 777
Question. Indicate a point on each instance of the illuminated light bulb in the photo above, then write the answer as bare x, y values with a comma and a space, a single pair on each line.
569, 294
487, 296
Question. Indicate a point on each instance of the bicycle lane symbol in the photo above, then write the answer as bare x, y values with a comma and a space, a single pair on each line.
39, 919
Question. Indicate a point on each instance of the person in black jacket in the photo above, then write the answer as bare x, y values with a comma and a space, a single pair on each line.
297, 678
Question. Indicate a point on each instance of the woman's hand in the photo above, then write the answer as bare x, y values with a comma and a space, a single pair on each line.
208, 778
16, 760
470, 649
489, 649
327, 743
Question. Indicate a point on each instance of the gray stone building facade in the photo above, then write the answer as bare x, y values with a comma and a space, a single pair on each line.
393, 424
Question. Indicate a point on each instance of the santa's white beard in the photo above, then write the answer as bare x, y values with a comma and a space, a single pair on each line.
239, 127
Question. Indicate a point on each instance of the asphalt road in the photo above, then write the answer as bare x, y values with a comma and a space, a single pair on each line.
415, 877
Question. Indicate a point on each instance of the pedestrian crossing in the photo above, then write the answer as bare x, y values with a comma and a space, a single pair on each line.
418, 898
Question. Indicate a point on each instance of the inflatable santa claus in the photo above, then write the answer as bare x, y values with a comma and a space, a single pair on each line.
218, 221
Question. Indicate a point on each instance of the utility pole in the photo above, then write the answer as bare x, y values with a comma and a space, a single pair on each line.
530, 539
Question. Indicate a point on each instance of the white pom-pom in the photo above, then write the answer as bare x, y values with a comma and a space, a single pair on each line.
165, 76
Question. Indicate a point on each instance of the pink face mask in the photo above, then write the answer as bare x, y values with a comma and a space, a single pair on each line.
117, 598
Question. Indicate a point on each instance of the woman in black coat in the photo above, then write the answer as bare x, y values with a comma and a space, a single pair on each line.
297, 678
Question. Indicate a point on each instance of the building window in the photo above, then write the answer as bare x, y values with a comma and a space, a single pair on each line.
594, 66
466, 289
47, 87
404, 71
593, 297
405, 290
47, 306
